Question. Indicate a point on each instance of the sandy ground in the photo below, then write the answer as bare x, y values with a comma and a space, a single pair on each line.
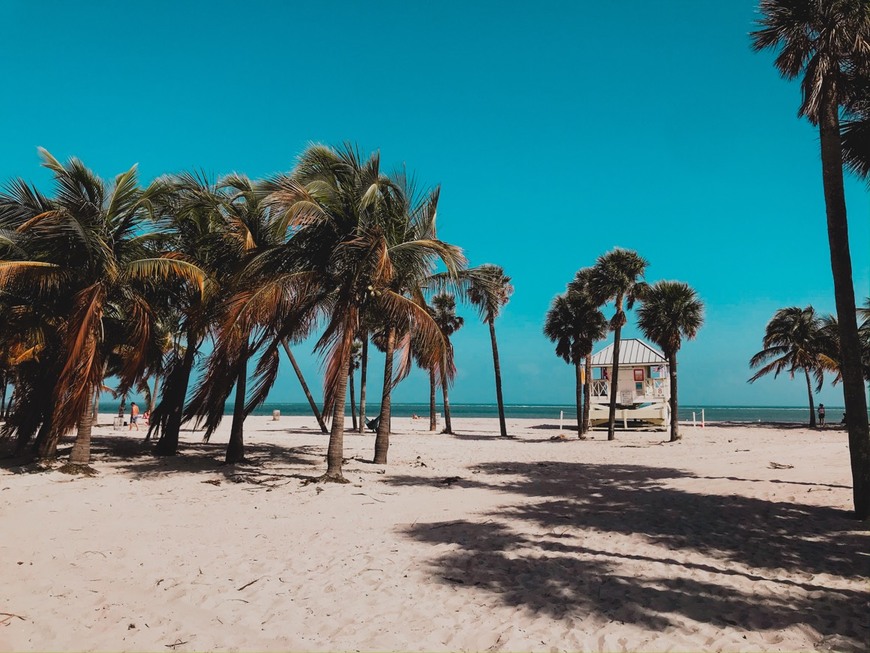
462, 543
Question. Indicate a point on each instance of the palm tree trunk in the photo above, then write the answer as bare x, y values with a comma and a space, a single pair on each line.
587, 392
810, 399
122, 405
236, 446
497, 367
364, 363
382, 440
317, 414
578, 395
167, 445
2, 396
81, 451
672, 379
335, 451
45, 444
844, 293
433, 424
614, 384
354, 425
448, 427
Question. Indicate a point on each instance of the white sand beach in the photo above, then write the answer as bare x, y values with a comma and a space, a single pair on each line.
462, 543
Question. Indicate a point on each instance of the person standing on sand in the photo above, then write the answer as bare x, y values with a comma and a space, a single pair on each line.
134, 416
821, 414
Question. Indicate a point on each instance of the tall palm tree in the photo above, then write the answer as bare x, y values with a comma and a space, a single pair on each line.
669, 312
616, 277
488, 290
793, 340
414, 249
574, 323
247, 232
188, 206
825, 41
359, 245
444, 314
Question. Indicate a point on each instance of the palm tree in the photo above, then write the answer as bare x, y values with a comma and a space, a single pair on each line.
793, 340
89, 261
247, 232
669, 312
488, 290
326, 206
413, 249
574, 323
592, 328
615, 277
444, 314
825, 41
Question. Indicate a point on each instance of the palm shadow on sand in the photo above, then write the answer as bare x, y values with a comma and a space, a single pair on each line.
557, 574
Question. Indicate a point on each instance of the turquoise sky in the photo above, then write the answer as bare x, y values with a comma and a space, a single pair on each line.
557, 131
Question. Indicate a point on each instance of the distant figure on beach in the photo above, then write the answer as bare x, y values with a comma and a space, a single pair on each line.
134, 416
843, 421
147, 416
821, 414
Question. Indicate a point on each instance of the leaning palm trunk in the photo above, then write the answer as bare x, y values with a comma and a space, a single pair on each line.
587, 393
174, 395
3, 396
382, 441
497, 368
672, 379
578, 395
810, 399
236, 446
317, 415
81, 451
844, 293
433, 422
362, 381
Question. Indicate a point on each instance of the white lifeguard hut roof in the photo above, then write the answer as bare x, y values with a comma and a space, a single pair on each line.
631, 352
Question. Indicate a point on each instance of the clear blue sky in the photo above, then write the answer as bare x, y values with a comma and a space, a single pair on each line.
557, 130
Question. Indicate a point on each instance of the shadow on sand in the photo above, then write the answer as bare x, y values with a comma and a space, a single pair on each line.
557, 574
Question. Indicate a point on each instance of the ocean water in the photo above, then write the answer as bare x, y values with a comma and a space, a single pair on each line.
785, 414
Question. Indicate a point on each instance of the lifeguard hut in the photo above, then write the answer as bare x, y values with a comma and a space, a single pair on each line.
642, 398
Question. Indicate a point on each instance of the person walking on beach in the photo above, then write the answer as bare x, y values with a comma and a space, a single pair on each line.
821, 414
134, 416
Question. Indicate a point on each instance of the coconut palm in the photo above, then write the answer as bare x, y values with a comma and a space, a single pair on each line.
247, 231
413, 248
358, 243
88, 261
188, 206
825, 42
794, 341
488, 290
669, 312
616, 277
444, 314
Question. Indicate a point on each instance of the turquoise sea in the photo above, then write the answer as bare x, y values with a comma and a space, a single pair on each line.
786, 414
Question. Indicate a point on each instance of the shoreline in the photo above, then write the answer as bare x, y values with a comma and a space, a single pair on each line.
735, 538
